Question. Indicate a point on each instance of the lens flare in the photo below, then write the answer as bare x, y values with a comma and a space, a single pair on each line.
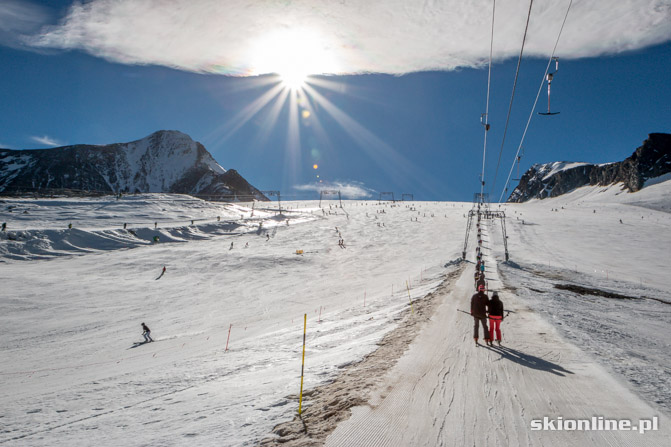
315, 166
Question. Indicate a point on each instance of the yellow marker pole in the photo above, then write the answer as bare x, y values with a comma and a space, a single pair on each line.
408, 287
300, 399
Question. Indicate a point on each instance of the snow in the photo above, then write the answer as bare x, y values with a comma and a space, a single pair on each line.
657, 180
560, 166
73, 299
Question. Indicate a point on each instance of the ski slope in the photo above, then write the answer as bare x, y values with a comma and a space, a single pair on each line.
73, 299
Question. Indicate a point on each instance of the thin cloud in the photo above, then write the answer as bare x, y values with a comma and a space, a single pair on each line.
359, 36
348, 190
19, 19
47, 141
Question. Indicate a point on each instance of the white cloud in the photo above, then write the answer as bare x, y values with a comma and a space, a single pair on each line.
348, 190
47, 141
238, 37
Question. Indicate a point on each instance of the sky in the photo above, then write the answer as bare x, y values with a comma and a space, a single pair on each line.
358, 96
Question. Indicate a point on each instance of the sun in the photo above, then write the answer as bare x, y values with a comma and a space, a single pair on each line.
293, 55
293, 78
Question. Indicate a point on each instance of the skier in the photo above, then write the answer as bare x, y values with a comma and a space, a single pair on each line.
231, 247
4, 226
495, 318
479, 303
147, 333
480, 281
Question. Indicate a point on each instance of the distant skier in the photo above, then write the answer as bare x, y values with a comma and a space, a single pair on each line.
231, 247
479, 303
4, 226
147, 333
267, 237
480, 282
495, 318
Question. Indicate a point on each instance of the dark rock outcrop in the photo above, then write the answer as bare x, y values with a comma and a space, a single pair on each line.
650, 160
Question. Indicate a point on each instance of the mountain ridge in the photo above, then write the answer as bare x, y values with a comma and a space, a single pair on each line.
167, 161
651, 160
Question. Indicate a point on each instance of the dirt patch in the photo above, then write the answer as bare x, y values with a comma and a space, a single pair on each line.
590, 291
328, 405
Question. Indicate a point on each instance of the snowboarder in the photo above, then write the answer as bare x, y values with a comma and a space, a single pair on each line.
147, 333
479, 303
495, 318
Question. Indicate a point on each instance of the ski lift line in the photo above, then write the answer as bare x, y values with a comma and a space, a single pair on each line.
512, 96
533, 108
489, 81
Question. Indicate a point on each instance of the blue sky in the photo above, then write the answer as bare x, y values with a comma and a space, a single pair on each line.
414, 127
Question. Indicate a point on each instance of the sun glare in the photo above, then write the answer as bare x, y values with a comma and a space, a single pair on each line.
293, 78
293, 55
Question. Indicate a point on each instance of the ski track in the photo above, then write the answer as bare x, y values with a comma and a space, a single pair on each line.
496, 390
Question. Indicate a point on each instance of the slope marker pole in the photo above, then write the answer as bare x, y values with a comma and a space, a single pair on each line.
408, 287
300, 398
229, 336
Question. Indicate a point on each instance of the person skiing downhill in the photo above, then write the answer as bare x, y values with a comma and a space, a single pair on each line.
479, 303
147, 333
495, 318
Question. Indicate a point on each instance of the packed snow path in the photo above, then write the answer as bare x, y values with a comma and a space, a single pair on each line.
447, 392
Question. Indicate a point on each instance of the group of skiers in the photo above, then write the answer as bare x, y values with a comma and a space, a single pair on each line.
482, 307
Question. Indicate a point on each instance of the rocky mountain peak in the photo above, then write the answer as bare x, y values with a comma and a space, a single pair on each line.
650, 160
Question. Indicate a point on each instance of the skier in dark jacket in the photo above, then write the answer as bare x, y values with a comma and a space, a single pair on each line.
481, 281
495, 317
147, 333
479, 303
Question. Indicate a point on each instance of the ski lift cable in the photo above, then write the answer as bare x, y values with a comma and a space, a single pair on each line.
512, 96
540, 88
489, 81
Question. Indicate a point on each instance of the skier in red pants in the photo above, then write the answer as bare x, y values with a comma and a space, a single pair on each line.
495, 317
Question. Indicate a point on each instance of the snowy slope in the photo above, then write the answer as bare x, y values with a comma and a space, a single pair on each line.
71, 375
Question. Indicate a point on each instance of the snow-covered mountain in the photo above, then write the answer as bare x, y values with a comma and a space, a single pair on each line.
651, 160
166, 161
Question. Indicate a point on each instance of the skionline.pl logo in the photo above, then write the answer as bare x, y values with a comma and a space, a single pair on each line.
594, 424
